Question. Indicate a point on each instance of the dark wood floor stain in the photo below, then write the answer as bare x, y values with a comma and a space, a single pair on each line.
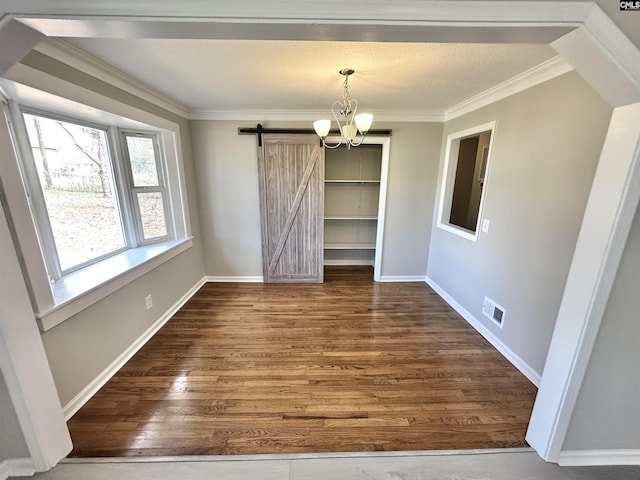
346, 366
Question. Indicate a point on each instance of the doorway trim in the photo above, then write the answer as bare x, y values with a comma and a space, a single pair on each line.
385, 142
589, 40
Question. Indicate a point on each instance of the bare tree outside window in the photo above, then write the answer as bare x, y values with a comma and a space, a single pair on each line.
75, 175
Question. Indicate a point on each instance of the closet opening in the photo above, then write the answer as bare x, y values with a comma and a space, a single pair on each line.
354, 204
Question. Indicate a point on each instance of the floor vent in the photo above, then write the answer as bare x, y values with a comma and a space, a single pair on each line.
493, 311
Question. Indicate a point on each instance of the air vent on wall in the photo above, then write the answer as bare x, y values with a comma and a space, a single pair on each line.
493, 311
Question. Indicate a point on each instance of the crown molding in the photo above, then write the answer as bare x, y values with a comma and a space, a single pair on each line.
541, 73
309, 115
81, 60
548, 70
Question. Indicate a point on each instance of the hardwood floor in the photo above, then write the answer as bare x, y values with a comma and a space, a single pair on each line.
348, 365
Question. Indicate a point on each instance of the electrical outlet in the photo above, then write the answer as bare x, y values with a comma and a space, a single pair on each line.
149, 301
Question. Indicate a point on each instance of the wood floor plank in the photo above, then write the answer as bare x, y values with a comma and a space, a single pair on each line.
348, 365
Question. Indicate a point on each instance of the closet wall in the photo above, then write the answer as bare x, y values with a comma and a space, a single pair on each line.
352, 194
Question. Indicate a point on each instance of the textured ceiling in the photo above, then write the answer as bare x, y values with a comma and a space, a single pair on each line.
241, 75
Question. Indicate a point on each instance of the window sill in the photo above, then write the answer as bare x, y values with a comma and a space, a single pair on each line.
81, 289
459, 231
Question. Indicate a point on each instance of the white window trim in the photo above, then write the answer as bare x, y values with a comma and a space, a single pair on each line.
54, 304
133, 190
81, 289
119, 187
449, 177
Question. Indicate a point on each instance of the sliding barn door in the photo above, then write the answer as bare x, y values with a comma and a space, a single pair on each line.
291, 176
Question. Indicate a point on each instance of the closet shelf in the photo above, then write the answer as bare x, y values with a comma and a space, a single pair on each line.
349, 246
351, 181
351, 217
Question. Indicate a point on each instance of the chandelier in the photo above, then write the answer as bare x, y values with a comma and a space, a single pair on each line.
351, 124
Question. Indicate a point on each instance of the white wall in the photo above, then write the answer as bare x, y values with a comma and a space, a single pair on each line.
545, 149
606, 415
227, 180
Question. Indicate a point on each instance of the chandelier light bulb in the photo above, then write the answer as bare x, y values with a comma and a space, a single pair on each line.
322, 127
363, 121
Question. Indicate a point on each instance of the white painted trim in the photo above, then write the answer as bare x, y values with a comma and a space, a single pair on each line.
382, 201
608, 215
86, 63
509, 354
234, 279
617, 45
103, 377
534, 76
81, 60
17, 467
579, 458
23, 360
598, 68
329, 11
402, 278
309, 115
74, 17
447, 182
58, 314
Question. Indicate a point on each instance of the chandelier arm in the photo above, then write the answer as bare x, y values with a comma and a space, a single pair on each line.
331, 146
353, 144
335, 116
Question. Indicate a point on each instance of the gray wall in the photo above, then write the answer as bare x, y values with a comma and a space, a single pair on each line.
606, 415
12, 443
84, 345
227, 180
545, 149
227, 185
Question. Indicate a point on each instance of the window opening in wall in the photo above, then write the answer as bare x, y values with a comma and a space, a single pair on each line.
76, 179
464, 182
95, 190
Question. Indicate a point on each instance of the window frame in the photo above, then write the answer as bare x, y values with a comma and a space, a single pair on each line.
449, 178
133, 190
120, 178
55, 302
40, 211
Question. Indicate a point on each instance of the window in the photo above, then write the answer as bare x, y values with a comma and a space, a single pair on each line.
103, 199
464, 180
147, 185
95, 190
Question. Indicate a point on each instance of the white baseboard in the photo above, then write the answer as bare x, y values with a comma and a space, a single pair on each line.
17, 467
402, 278
97, 383
247, 279
579, 458
517, 362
